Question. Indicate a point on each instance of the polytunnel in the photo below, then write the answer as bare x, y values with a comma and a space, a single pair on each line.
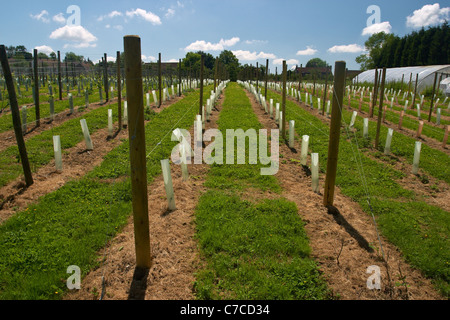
426, 75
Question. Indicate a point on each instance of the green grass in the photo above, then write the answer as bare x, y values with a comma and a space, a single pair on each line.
397, 210
69, 226
254, 251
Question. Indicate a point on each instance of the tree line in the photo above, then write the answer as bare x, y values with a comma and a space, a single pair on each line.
420, 48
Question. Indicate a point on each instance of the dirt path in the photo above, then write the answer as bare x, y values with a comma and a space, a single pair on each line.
344, 241
77, 162
174, 249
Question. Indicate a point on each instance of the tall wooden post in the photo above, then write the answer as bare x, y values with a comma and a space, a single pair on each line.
283, 106
325, 92
432, 96
267, 76
375, 94
36, 88
16, 116
335, 133
179, 78
133, 75
105, 66
201, 84
257, 77
119, 91
59, 76
415, 91
160, 79
380, 109
215, 74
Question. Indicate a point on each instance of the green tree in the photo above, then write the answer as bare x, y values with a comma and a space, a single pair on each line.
316, 63
231, 64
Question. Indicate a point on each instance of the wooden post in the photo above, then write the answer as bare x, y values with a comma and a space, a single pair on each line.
283, 106
160, 80
36, 88
375, 92
119, 90
105, 66
201, 85
257, 78
444, 142
325, 92
432, 97
133, 75
415, 91
335, 132
380, 109
59, 76
267, 77
16, 116
179, 79
215, 74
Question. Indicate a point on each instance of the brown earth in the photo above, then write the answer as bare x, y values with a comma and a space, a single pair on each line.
175, 256
344, 239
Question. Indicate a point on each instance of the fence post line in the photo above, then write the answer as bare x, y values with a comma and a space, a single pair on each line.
415, 91
119, 91
432, 97
201, 85
59, 76
267, 76
335, 132
283, 106
36, 88
380, 109
160, 80
16, 116
106, 77
133, 76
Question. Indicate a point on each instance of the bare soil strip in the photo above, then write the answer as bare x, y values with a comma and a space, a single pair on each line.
344, 241
433, 191
175, 256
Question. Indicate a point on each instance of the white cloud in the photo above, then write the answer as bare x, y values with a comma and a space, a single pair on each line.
309, 51
429, 14
41, 16
59, 18
118, 27
79, 36
245, 55
256, 41
201, 45
180, 5
108, 26
44, 49
350, 48
110, 15
173, 60
288, 62
148, 58
170, 13
146, 15
377, 27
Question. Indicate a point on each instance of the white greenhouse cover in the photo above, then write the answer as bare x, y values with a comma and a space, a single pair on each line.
426, 74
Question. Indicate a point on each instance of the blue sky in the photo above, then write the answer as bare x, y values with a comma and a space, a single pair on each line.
255, 30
